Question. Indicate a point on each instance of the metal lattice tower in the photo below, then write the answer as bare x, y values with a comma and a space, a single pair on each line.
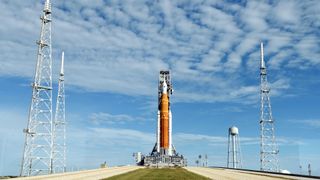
59, 128
234, 150
268, 148
37, 155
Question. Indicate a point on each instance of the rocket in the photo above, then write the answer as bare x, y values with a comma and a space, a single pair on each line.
164, 118
163, 153
164, 142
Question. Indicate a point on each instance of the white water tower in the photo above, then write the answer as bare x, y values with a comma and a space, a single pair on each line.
234, 151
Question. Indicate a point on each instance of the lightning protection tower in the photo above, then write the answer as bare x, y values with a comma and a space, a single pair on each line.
37, 155
59, 126
268, 148
234, 150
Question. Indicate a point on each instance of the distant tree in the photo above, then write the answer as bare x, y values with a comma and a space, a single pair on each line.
309, 169
206, 158
197, 162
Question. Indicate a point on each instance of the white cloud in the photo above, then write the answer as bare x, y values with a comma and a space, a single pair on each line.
211, 62
279, 86
122, 136
187, 138
102, 117
287, 12
167, 10
254, 16
119, 47
308, 49
11, 139
313, 123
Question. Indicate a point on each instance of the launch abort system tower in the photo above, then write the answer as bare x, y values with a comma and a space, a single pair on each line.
164, 153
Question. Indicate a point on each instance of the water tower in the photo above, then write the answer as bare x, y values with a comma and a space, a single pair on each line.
234, 152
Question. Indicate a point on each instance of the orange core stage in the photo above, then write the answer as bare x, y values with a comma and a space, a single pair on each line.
164, 122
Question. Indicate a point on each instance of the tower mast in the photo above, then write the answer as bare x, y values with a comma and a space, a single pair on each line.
268, 148
59, 129
37, 155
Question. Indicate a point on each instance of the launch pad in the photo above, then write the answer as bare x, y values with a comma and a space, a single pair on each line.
164, 153
156, 159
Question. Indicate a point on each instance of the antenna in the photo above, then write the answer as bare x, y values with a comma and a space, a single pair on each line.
47, 7
262, 63
62, 64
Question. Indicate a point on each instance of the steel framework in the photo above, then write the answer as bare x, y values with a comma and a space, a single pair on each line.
59, 126
268, 148
37, 155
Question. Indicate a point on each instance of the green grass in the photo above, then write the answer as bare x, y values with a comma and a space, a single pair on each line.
158, 174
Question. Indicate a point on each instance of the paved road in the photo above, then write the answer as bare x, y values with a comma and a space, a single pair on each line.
85, 175
228, 174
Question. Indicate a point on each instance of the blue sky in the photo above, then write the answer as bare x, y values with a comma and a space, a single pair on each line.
114, 51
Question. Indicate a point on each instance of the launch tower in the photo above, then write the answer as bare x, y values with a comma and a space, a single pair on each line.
164, 153
268, 149
37, 155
